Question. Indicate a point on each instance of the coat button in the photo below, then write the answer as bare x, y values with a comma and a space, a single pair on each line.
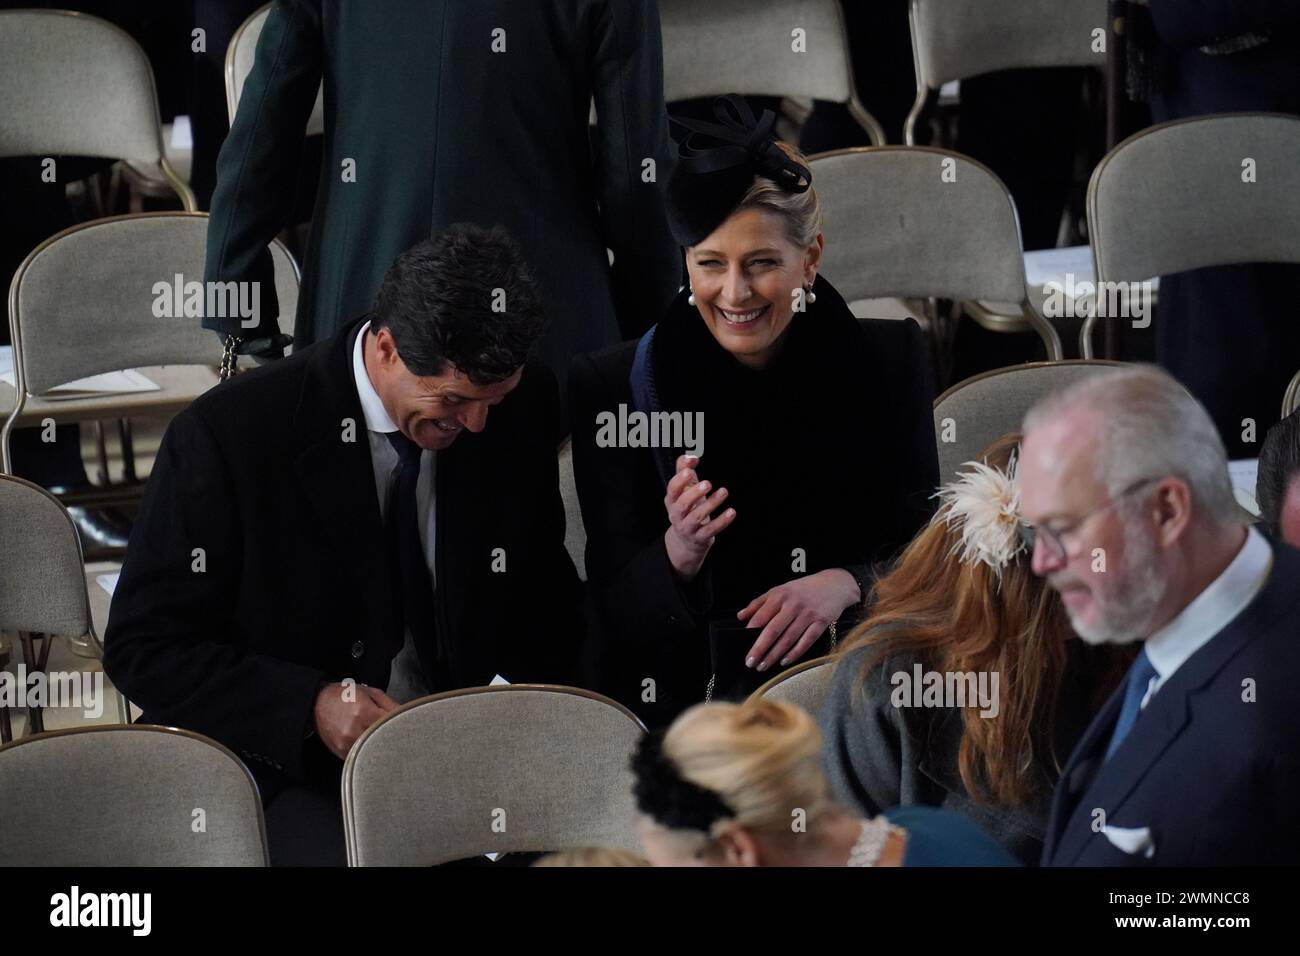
358, 649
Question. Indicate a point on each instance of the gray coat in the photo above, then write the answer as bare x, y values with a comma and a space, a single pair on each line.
878, 756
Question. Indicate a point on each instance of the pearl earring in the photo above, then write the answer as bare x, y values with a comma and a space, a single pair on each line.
811, 296
690, 299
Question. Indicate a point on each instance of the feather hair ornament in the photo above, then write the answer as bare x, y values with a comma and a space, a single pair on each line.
984, 503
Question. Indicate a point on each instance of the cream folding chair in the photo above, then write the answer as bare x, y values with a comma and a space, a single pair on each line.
77, 85
88, 301
804, 685
42, 581
755, 48
959, 39
240, 56
919, 222
1209, 191
973, 413
127, 796
512, 768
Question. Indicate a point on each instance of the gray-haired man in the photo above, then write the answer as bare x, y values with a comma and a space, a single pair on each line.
1196, 758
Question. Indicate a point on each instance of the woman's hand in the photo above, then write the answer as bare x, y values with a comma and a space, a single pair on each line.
793, 615
691, 530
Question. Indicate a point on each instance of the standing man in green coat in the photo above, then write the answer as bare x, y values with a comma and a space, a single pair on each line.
445, 111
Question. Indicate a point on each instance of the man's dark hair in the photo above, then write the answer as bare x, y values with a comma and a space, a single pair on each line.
1279, 463
466, 297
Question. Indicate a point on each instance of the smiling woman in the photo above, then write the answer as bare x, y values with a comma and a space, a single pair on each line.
713, 571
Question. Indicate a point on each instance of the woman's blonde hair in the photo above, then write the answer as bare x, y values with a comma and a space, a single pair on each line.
592, 856
801, 212
762, 758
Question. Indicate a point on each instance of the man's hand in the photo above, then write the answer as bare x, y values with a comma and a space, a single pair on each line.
793, 615
340, 721
691, 530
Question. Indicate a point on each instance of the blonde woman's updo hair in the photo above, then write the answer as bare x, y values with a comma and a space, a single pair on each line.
592, 856
801, 212
763, 758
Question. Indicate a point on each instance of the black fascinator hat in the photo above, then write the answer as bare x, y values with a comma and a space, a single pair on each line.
717, 162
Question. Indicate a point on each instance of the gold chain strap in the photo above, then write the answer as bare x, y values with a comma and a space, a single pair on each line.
229, 357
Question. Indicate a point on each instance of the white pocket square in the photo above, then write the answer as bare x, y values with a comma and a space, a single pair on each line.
1131, 840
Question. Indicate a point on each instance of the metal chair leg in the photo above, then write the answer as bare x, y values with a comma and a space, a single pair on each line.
101, 450
35, 719
128, 450
6, 728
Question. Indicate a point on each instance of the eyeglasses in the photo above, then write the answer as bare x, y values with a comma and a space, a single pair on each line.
1055, 537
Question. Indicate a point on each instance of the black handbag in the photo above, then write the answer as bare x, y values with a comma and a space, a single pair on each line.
729, 641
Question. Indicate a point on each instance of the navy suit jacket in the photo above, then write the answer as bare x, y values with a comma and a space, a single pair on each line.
1213, 775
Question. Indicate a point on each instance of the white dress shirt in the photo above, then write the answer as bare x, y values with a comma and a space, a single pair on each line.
1210, 611
405, 681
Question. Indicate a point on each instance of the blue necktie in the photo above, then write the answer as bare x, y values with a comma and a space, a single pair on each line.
1139, 676
412, 584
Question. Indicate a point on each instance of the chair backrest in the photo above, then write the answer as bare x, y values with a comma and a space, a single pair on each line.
42, 577
575, 532
77, 85
87, 300
1182, 195
987, 406
957, 39
127, 796
240, 56
916, 221
491, 769
804, 685
755, 48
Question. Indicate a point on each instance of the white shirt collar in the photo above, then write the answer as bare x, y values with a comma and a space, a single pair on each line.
372, 407
1213, 609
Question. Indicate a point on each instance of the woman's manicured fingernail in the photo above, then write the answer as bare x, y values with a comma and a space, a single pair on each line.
762, 667
785, 661
749, 662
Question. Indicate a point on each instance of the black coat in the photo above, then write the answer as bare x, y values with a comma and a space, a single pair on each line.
443, 129
1225, 332
293, 588
866, 434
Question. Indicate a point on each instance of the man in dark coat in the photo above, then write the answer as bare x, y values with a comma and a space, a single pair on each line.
1226, 332
439, 112
344, 515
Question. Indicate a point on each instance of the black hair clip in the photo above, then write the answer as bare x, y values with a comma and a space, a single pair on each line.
668, 798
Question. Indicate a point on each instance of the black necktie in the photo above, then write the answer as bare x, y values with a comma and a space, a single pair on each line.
402, 525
